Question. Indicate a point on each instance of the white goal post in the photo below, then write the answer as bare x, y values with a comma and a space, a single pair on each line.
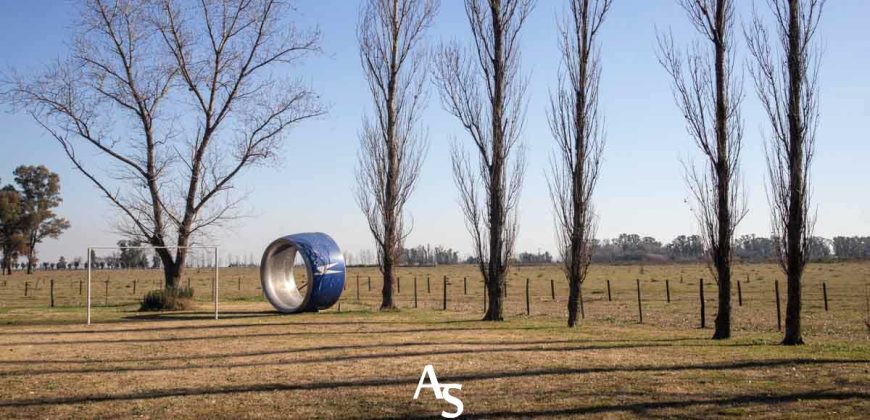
214, 284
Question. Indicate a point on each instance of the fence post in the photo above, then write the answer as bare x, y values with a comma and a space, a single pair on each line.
239, 283
668, 290
528, 305
357, 288
739, 294
701, 294
26, 287
608, 291
444, 306
370, 283
552, 290
80, 287
639, 307
778, 316
428, 285
398, 285
465, 285
52, 293
134, 287
825, 294
106, 303
415, 292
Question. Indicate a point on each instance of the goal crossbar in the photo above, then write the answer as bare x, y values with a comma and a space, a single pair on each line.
215, 281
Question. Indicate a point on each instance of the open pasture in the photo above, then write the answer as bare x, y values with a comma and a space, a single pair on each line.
845, 283
358, 363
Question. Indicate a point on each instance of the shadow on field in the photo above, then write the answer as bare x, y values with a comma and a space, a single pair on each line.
644, 408
209, 316
462, 378
482, 348
318, 333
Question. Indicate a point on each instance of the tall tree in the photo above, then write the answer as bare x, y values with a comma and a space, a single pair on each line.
114, 106
576, 125
709, 94
786, 79
40, 195
391, 146
484, 89
11, 238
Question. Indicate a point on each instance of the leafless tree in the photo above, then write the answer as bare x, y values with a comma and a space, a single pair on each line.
576, 125
163, 103
483, 88
786, 79
708, 93
392, 147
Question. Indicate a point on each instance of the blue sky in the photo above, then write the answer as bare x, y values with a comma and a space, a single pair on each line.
641, 189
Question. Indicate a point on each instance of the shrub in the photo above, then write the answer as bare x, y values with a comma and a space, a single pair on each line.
168, 299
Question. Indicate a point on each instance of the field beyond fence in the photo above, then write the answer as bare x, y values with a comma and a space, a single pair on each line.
834, 294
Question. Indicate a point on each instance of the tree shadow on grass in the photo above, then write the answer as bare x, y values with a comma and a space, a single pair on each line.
460, 378
646, 408
480, 348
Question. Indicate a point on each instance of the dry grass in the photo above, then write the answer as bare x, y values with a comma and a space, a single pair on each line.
361, 364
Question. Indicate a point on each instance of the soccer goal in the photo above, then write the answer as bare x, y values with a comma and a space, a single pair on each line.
215, 281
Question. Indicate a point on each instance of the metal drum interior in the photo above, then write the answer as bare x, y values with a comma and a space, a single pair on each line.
283, 290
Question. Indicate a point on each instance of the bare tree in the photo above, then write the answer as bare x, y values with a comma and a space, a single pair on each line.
576, 125
391, 146
484, 90
163, 103
786, 80
709, 94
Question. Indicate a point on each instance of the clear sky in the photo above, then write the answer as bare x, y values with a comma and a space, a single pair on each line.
641, 189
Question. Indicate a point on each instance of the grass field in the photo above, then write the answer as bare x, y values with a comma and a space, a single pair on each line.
358, 363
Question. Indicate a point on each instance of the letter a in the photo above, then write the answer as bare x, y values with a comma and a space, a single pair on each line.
433, 382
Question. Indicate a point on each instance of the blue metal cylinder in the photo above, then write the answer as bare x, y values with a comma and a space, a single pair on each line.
325, 273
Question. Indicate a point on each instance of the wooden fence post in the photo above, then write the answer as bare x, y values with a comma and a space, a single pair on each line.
80, 287
825, 294
357, 288
465, 285
52, 293
552, 290
106, 303
26, 287
668, 290
415, 292
444, 306
608, 291
778, 315
370, 283
639, 307
528, 305
739, 294
428, 285
239, 283
398, 285
701, 294
134, 287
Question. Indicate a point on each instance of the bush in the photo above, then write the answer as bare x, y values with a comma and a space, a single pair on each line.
176, 299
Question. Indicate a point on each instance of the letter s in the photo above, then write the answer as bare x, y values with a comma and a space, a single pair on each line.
452, 400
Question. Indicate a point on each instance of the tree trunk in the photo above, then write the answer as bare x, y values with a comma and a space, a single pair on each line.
573, 304
722, 249
496, 278
387, 303
796, 224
